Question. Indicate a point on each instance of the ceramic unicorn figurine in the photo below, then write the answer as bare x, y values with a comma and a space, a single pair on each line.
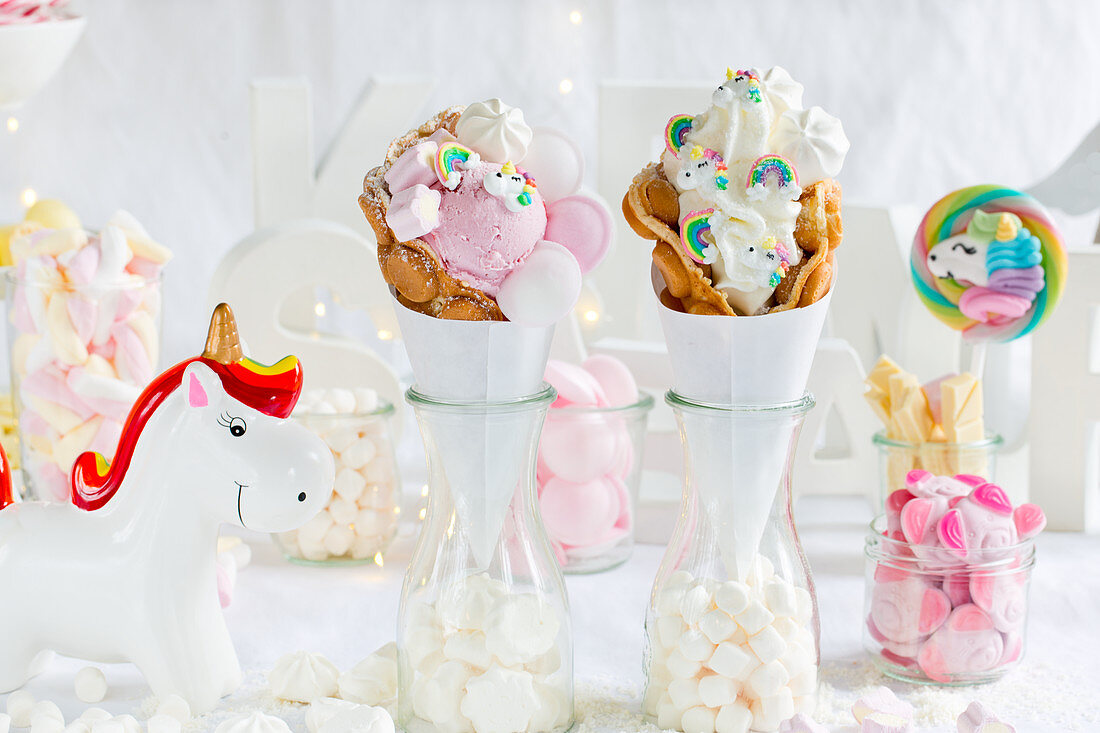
127, 572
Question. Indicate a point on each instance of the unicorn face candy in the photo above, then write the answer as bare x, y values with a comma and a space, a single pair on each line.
743, 205
464, 230
208, 443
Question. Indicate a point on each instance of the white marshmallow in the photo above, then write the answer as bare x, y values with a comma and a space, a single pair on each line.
163, 724
798, 659
767, 680
781, 598
732, 661
733, 718
694, 645
366, 400
761, 572
733, 597
755, 617
358, 454
20, 704
500, 701
128, 722
696, 603
787, 628
669, 629
684, 693
805, 683
44, 709
349, 484
46, 724
717, 625
768, 712
5, 723
680, 666
109, 726
93, 714
76, 726
716, 690
340, 439
668, 715
698, 720
176, 707
341, 399
768, 645
881, 700
437, 698
520, 628
90, 685
805, 603
668, 602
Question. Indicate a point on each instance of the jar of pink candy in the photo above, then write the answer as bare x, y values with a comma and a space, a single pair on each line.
360, 519
590, 461
84, 314
948, 569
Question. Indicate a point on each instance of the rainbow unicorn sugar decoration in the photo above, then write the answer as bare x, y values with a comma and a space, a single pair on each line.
772, 169
676, 131
1000, 260
127, 572
450, 160
743, 85
514, 187
704, 169
694, 232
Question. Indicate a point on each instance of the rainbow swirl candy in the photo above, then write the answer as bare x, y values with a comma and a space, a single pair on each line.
775, 166
677, 128
450, 159
951, 216
692, 228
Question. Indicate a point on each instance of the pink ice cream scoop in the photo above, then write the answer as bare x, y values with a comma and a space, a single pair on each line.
478, 238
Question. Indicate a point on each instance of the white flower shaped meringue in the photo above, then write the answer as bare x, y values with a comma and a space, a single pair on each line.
257, 722
303, 677
813, 140
495, 130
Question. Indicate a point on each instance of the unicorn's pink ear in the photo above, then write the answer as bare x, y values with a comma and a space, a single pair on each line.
198, 385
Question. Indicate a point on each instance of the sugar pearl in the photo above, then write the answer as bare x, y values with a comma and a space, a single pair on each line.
342, 511
349, 484
338, 540
732, 661
90, 685
358, 454
716, 690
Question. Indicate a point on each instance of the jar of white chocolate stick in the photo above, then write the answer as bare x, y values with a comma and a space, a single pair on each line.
483, 636
81, 354
360, 519
898, 457
732, 627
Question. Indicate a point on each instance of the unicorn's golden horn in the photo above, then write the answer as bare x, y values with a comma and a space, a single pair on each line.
223, 343
508, 169
1006, 229
729, 73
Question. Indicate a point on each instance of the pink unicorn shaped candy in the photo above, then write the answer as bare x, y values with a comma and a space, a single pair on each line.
127, 572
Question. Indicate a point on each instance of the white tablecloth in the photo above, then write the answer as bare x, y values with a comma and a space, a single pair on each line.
345, 613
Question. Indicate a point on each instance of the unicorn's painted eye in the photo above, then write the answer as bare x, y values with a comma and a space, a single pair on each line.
517, 179
752, 249
237, 427
771, 255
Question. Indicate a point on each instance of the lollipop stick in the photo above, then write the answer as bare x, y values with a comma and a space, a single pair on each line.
977, 359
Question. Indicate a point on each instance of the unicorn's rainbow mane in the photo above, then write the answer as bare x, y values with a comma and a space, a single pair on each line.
272, 390
1019, 253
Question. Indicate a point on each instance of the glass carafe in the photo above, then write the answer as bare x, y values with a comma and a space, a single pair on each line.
732, 627
484, 641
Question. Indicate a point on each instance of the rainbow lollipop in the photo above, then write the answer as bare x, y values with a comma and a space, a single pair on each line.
989, 261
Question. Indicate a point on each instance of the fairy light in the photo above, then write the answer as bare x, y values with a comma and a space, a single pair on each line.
28, 197
378, 559
319, 309
13, 125
565, 86
591, 316
424, 490
397, 510
575, 17
384, 335
423, 513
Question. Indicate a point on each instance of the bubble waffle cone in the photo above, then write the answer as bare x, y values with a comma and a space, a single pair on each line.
651, 207
413, 268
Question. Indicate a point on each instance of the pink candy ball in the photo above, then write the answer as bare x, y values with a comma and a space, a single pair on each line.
578, 514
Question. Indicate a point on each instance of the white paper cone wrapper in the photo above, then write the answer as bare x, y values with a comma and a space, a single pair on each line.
474, 361
742, 360
481, 454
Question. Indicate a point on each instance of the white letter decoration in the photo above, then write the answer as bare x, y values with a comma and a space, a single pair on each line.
127, 572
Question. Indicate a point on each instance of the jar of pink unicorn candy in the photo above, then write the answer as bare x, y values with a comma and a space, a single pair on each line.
947, 575
84, 323
590, 463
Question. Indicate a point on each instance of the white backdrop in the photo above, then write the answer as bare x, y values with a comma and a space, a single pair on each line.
151, 112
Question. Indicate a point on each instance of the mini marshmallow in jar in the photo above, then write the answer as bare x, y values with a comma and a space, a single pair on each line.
360, 519
84, 322
732, 627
